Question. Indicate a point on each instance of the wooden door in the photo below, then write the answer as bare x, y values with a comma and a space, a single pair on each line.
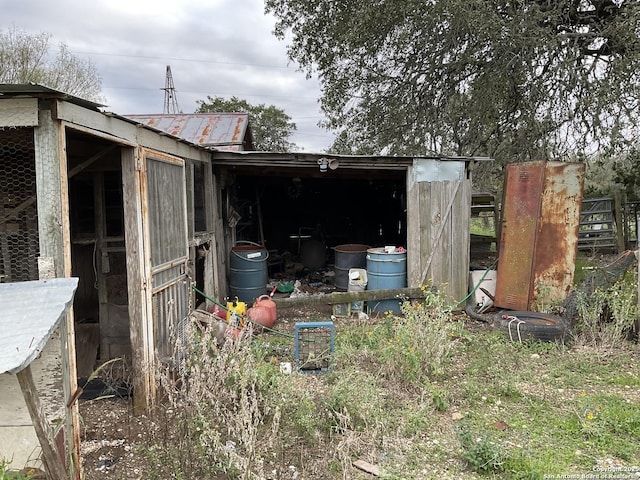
165, 199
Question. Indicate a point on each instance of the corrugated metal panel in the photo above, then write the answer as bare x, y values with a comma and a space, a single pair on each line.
21, 90
31, 312
200, 128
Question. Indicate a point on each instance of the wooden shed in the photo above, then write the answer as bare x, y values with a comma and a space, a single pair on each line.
140, 216
421, 203
125, 208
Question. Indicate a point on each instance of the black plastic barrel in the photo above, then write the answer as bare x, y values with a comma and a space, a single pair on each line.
386, 271
248, 275
348, 256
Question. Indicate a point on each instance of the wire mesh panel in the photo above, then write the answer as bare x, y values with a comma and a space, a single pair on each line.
19, 244
314, 342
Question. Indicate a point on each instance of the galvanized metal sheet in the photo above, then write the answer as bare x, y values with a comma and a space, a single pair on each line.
200, 128
434, 170
31, 311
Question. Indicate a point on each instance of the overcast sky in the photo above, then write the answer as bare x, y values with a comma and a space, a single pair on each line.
214, 47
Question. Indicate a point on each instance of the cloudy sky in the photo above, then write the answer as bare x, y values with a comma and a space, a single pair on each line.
214, 47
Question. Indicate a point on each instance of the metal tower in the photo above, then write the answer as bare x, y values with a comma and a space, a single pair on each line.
170, 100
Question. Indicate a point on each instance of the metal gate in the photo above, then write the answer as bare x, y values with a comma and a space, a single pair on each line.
164, 191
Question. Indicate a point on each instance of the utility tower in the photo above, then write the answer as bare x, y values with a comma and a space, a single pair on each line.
170, 100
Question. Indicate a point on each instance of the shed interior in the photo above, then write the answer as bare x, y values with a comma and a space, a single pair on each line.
301, 214
98, 254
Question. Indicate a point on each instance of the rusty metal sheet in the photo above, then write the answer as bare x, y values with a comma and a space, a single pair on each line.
224, 129
521, 209
557, 244
539, 233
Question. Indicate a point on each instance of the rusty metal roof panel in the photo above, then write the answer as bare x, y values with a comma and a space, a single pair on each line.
200, 128
31, 311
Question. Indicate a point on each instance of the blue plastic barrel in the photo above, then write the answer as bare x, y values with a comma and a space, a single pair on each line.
248, 275
386, 271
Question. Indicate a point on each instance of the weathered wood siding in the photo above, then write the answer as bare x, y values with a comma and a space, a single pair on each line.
438, 235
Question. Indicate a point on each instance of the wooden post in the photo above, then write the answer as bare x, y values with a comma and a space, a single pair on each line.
137, 279
55, 246
50, 458
617, 198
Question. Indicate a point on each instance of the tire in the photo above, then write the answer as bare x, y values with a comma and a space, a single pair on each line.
522, 325
481, 317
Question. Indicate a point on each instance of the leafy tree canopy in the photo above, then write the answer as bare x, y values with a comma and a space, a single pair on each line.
511, 79
271, 126
26, 58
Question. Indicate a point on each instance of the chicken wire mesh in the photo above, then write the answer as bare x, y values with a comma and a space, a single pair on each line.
19, 244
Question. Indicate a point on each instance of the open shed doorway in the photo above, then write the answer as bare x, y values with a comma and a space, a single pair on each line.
302, 216
98, 253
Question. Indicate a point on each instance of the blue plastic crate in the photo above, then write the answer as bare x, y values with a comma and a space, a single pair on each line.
314, 343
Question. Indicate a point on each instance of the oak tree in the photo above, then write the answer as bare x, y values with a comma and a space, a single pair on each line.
511, 79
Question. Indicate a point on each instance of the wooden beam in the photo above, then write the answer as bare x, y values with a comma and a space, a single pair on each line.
51, 460
348, 297
79, 168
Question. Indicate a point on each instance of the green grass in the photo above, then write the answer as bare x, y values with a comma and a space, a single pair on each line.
421, 396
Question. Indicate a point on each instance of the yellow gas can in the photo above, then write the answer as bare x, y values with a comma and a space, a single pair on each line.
237, 307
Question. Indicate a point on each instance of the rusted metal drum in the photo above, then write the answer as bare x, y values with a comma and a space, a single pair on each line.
348, 256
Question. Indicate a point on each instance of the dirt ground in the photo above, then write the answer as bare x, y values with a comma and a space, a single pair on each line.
112, 436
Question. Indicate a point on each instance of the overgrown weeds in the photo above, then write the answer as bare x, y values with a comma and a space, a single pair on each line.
608, 317
418, 395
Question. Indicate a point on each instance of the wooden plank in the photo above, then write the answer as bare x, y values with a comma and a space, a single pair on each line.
348, 297
136, 279
425, 224
442, 222
413, 230
51, 460
126, 131
367, 467
79, 168
461, 243
211, 269
67, 328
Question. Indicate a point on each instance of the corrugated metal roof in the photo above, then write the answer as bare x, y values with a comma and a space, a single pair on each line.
223, 130
31, 311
